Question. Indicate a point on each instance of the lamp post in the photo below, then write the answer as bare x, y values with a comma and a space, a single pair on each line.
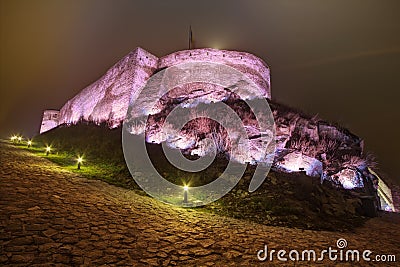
79, 160
48, 149
185, 194
29, 143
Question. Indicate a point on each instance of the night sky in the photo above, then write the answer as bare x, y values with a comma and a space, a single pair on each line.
338, 59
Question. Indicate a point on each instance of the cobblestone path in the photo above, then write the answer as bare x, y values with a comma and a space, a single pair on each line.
49, 216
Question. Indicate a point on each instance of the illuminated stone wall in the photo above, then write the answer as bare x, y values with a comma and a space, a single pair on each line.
396, 197
255, 68
107, 99
50, 120
389, 194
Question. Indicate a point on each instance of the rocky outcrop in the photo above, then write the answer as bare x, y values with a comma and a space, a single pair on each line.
296, 161
303, 143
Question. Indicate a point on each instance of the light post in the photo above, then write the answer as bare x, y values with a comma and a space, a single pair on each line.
79, 160
185, 194
48, 149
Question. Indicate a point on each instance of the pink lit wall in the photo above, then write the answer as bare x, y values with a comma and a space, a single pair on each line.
107, 99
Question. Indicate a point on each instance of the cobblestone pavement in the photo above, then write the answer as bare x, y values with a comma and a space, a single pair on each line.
53, 217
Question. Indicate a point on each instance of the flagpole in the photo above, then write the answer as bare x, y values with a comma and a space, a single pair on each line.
190, 37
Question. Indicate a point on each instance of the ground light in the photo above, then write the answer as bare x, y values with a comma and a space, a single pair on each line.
29, 143
13, 138
79, 160
48, 149
185, 194
19, 139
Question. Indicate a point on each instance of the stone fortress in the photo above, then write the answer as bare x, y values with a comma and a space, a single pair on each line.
303, 143
107, 99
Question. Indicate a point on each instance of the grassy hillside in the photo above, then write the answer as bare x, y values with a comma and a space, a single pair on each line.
100, 148
293, 200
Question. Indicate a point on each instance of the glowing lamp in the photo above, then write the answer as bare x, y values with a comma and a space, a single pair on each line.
48, 149
19, 139
79, 160
29, 143
185, 194
13, 138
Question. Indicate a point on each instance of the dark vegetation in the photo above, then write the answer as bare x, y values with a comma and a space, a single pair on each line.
292, 200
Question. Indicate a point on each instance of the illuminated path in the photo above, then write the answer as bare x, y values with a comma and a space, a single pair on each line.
48, 215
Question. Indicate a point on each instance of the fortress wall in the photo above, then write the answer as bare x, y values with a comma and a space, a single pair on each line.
49, 120
389, 193
396, 197
146, 66
391, 190
128, 83
107, 99
255, 68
